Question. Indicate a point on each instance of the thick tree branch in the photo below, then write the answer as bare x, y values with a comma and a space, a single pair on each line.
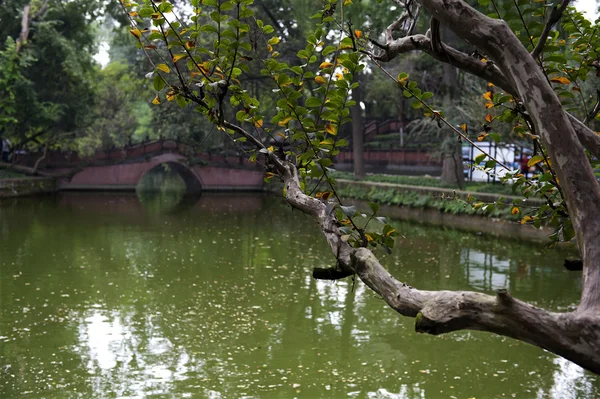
570, 335
582, 192
487, 71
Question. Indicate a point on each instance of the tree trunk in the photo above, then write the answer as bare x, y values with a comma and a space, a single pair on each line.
452, 166
358, 135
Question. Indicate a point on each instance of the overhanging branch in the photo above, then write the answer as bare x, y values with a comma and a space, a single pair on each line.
554, 18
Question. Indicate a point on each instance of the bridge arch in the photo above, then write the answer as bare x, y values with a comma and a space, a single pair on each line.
173, 162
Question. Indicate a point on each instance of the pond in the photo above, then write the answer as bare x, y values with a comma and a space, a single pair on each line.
120, 296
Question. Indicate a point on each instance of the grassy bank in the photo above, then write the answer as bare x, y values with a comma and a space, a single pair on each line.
400, 197
475, 187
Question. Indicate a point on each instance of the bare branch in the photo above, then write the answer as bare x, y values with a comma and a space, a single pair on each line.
436, 40
397, 25
552, 20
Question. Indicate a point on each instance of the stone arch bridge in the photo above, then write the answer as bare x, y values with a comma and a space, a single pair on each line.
122, 169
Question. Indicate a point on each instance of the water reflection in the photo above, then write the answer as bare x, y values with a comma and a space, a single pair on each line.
103, 297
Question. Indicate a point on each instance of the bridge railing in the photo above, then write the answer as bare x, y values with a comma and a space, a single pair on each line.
132, 153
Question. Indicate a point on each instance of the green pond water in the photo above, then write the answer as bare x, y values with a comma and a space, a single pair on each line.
115, 296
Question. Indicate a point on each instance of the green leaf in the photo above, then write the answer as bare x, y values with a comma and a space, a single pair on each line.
313, 102
374, 207
159, 83
146, 12
479, 158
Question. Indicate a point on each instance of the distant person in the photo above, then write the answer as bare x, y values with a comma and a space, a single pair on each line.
524, 167
5, 150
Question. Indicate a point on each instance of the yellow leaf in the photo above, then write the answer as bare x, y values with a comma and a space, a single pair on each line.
526, 219
489, 118
490, 85
133, 14
514, 210
561, 80
464, 127
270, 48
285, 122
357, 33
170, 96
535, 160
136, 33
488, 96
156, 100
177, 57
489, 105
347, 2
368, 236
339, 76
320, 80
258, 123
390, 232
481, 136
163, 68
190, 44
331, 129
325, 64
271, 149
484, 60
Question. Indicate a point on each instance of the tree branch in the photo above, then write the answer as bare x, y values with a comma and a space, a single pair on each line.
567, 334
485, 70
594, 111
554, 18
582, 191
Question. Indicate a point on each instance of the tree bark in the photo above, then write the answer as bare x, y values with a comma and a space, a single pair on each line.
358, 135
